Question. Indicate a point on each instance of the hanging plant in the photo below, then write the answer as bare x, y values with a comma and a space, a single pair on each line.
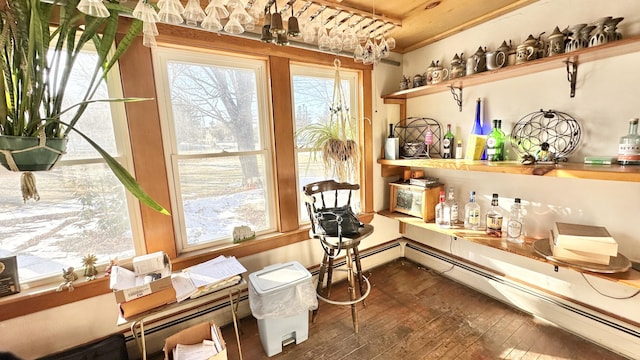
334, 139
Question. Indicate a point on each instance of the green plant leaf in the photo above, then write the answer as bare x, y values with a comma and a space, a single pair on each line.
123, 175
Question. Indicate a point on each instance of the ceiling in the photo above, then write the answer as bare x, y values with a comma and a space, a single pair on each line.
425, 21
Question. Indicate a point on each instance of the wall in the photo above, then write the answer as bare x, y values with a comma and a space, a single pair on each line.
606, 98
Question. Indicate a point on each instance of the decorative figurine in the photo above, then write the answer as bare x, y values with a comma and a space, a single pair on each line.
90, 270
69, 277
112, 263
543, 155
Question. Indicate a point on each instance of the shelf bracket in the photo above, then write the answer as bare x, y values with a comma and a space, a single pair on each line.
457, 97
572, 74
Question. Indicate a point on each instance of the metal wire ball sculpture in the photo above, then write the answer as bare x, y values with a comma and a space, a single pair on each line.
555, 128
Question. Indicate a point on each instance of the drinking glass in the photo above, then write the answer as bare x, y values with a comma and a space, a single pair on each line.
193, 13
324, 41
171, 11
233, 26
211, 22
93, 8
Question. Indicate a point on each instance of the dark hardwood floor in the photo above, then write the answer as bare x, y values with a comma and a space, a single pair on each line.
413, 313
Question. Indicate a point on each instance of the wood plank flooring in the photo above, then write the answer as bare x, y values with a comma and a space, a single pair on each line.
413, 313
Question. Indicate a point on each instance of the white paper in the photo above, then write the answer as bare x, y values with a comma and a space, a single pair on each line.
121, 278
183, 285
202, 351
215, 270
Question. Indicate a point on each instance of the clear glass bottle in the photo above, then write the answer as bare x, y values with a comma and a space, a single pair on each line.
448, 144
494, 218
472, 213
629, 148
515, 224
442, 212
453, 207
495, 142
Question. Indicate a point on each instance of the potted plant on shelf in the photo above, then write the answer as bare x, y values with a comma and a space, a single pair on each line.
40, 43
334, 140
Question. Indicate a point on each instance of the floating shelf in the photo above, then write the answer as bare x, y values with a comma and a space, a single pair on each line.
560, 170
615, 48
630, 278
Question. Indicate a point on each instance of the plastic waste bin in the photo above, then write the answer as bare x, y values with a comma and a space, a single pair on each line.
280, 297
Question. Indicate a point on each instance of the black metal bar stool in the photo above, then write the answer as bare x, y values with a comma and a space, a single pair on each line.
318, 195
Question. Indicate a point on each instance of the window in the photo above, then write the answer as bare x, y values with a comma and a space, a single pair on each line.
83, 208
312, 98
215, 126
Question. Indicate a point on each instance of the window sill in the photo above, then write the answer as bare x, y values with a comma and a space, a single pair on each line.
46, 297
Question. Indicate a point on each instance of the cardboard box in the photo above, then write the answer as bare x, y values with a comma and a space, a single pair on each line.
129, 309
194, 335
139, 291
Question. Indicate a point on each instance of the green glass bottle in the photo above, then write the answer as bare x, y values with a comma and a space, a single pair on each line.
448, 143
495, 143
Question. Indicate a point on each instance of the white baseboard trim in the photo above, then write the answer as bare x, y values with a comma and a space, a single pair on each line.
610, 333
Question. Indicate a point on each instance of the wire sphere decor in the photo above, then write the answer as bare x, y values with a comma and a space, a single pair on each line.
537, 130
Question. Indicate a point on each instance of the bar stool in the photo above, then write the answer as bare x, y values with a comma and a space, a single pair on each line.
317, 196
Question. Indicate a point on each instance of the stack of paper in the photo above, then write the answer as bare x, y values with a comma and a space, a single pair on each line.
206, 277
586, 243
201, 351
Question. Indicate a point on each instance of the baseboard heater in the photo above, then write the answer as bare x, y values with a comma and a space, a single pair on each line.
522, 288
162, 325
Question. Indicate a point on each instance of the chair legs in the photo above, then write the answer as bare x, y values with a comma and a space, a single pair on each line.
352, 258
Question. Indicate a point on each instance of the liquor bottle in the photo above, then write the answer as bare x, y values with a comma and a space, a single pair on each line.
392, 146
629, 148
494, 218
448, 143
459, 150
495, 142
476, 141
442, 212
472, 213
453, 207
515, 224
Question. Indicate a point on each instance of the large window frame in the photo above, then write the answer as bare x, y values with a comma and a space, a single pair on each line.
352, 77
122, 153
162, 56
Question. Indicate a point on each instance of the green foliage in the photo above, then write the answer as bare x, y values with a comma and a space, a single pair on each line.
37, 59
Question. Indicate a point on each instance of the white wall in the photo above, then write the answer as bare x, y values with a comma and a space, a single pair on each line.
606, 98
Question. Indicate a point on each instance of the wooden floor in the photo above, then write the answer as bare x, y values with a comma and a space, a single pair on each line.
413, 313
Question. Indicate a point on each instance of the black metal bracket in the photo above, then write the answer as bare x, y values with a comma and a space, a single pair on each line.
555, 268
457, 97
572, 74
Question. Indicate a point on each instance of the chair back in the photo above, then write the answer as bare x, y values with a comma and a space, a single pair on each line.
326, 193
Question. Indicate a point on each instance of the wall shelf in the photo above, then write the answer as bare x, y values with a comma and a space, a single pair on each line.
620, 47
630, 278
561, 170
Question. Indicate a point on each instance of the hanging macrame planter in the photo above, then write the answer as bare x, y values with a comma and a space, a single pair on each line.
27, 154
340, 152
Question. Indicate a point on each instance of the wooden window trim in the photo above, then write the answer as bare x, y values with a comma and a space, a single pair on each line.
146, 144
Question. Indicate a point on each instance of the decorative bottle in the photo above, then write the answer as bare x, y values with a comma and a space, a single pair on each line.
392, 146
472, 213
453, 207
494, 218
495, 142
515, 224
448, 143
428, 140
443, 212
629, 148
476, 142
459, 150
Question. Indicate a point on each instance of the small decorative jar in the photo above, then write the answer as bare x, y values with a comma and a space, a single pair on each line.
457, 67
404, 83
418, 80
610, 28
556, 42
428, 78
573, 43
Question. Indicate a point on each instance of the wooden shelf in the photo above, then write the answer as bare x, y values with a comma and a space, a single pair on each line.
561, 170
620, 47
630, 278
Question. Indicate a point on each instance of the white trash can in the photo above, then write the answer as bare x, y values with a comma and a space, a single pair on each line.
280, 297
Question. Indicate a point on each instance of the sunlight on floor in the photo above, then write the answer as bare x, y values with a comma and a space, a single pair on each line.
513, 353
